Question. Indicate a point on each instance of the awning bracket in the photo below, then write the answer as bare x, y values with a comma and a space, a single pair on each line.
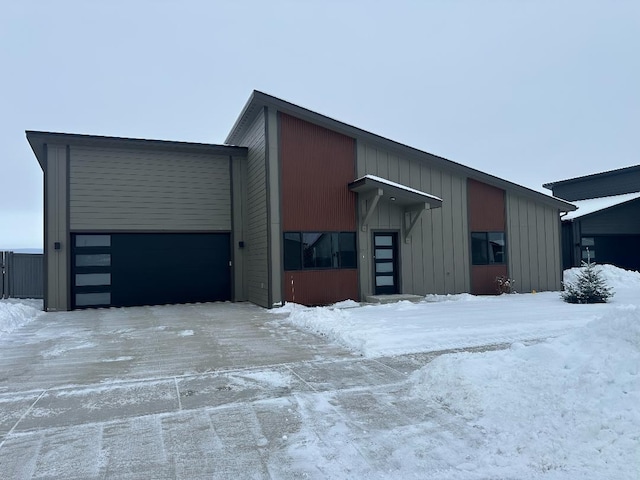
414, 211
373, 198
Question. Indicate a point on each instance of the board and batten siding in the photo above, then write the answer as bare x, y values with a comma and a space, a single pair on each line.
533, 245
117, 189
256, 236
436, 258
56, 230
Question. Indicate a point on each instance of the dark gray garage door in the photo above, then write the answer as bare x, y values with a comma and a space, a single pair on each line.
620, 250
128, 269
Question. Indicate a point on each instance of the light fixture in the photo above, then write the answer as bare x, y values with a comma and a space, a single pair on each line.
393, 199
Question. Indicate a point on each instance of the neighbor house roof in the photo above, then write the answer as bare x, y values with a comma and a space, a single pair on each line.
38, 140
593, 176
593, 205
258, 101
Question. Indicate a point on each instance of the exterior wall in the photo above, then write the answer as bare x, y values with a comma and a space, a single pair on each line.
239, 227
120, 189
602, 185
56, 229
317, 165
486, 214
435, 259
533, 245
256, 250
274, 208
619, 220
320, 287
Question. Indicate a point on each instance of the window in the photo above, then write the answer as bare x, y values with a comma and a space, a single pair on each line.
488, 248
319, 250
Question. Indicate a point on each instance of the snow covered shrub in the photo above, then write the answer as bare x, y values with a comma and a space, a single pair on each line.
589, 287
504, 285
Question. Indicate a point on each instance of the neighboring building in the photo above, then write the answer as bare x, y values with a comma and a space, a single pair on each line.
606, 225
304, 208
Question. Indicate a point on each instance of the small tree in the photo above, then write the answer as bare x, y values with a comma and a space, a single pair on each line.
590, 287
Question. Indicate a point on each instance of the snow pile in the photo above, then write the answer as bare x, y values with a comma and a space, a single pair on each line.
14, 313
569, 405
613, 276
444, 322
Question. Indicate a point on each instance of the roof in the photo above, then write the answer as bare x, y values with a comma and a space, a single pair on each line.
258, 101
38, 140
395, 191
608, 173
593, 205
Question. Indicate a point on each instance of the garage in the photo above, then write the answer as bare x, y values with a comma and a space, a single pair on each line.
131, 269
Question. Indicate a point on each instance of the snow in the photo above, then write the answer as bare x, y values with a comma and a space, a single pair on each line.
585, 207
398, 185
17, 312
559, 400
563, 408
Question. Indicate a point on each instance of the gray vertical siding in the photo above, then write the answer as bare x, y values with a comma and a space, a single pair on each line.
125, 189
256, 241
239, 226
274, 215
533, 244
435, 259
57, 228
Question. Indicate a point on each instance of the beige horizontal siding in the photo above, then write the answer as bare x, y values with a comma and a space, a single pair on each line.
118, 189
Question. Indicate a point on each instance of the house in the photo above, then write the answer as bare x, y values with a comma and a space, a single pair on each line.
295, 207
606, 226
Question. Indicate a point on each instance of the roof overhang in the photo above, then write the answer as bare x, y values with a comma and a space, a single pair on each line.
394, 192
39, 140
594, 206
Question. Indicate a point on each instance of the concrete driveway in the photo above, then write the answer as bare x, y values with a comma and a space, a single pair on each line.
189, 392
106, 345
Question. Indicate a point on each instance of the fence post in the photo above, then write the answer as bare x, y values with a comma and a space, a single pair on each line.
1, 274
4, 275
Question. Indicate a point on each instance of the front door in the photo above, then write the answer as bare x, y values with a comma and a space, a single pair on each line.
385, 259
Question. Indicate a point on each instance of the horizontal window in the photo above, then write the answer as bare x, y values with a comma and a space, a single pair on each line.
90, 299
319, 250
90, 279
488, 248
93, 240
93, 260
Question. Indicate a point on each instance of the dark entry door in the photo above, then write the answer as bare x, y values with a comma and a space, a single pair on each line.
385, 258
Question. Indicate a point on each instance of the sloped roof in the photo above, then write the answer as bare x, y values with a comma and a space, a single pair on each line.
593, 205
258, 101
608, 173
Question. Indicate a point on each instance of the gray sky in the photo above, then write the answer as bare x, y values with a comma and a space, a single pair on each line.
530, 91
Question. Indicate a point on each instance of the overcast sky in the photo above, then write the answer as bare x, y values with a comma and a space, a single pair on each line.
530, 91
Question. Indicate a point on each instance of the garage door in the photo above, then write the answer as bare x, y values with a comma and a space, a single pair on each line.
620, 250
128, 269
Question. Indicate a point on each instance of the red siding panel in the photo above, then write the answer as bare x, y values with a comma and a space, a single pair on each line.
321, 287
316, 166
483, 278
486, 207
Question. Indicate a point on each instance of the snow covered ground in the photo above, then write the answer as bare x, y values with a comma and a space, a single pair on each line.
14, 313
564, 408
561, 401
